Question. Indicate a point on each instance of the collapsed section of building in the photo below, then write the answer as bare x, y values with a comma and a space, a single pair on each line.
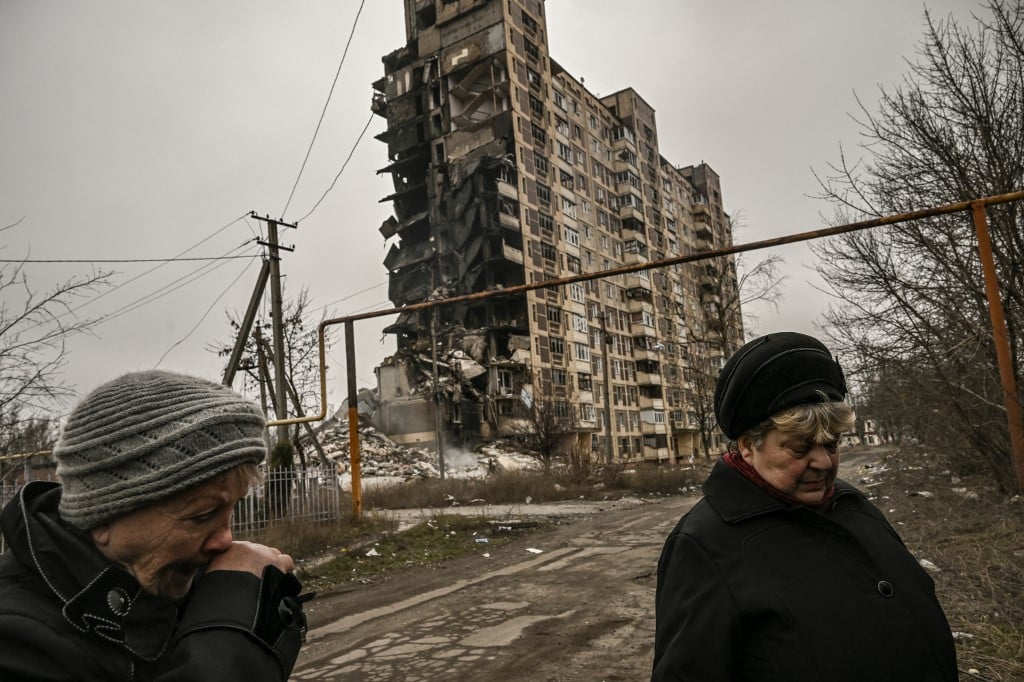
507, 170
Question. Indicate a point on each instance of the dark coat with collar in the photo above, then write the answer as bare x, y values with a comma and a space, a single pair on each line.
750, 588
67, 614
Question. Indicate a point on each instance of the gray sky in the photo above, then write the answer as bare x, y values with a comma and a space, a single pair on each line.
136, 129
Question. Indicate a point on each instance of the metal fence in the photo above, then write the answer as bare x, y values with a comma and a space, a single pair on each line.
313, 494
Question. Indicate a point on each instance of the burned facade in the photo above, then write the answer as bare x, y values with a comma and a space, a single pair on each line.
507, 171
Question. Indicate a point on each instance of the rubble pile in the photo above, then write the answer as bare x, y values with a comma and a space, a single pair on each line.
382, 457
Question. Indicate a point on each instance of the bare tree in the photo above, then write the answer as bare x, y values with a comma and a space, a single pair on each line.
728, 288
546, 424
912, 297
34, 329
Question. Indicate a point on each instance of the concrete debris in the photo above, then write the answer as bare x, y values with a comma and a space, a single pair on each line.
382, 458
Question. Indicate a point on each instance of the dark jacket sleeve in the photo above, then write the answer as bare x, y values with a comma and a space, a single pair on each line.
697, 623
238, 627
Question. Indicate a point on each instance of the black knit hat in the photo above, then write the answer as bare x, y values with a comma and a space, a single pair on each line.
771, 374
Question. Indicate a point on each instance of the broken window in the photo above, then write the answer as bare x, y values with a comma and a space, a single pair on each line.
559, 377
556, 345
579, 323
571, 235
573, 264
585, 381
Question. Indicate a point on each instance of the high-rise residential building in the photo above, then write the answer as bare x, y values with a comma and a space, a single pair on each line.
507, 171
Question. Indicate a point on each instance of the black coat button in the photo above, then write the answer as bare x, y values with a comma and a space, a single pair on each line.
884, 588
118, 602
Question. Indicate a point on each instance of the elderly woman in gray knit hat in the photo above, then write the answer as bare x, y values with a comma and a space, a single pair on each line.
783, 571
127, 570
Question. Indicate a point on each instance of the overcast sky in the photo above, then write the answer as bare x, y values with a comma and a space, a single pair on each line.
134, 130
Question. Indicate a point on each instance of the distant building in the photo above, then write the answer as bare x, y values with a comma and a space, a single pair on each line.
507, 170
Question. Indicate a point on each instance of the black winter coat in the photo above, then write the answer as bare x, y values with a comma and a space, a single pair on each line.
752, 589
67, 614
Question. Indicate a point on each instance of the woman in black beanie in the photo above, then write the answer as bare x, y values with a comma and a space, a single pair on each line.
782, 571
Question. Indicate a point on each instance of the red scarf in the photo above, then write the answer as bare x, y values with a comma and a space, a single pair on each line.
736, 461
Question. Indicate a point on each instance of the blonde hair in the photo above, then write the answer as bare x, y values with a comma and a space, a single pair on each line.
820, 422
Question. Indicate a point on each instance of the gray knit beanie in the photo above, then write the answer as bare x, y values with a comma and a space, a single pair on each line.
147, 435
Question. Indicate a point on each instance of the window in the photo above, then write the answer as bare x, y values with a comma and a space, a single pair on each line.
548, 252
547, 223
579, 323
562, 126
556, 345
559, 99
559, 377
582, 351
586, 412
543, 193
554, 314
576, 293
565, 152
585, 381
573, 264
571, 235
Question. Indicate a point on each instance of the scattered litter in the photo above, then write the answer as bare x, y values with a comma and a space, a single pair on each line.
529, 499
962, 635
481, 541
929, 566
478, 500
973, 671
924, 494
504, 528
486, 555
373, 552
534, 550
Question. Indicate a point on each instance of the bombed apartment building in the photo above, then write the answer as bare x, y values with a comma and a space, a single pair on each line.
506, 171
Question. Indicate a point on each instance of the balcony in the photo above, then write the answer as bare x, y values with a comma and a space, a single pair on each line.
656, 404
648, 379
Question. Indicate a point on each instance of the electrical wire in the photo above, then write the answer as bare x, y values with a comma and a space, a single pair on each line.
324, 111
118, 260
169, 288
347, 159
111, 290
215, 301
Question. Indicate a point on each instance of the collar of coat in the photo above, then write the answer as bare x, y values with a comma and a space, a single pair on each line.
97, 598
737, 499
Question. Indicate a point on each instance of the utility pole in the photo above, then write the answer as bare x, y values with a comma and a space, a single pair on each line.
438, 423
280, 404
609, 444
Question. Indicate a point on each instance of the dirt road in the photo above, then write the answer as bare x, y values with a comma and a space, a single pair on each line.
582, 609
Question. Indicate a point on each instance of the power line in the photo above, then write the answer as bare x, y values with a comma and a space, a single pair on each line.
117, 260
324, 111
165, 290
152, 269
190, 332
347, 159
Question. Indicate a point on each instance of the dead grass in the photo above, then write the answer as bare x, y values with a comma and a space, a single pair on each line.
426, 545
975, 536
568, 483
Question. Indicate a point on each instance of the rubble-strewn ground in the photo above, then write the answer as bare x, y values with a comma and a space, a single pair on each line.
969, 536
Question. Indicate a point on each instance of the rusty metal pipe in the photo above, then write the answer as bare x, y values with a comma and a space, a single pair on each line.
1001, 339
